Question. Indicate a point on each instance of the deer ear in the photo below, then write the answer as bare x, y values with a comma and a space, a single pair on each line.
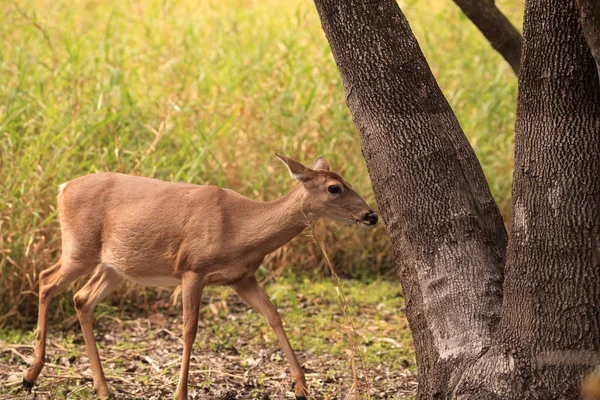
321, 164
296, 169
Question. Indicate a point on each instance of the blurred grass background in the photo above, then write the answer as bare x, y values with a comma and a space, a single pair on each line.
205, 92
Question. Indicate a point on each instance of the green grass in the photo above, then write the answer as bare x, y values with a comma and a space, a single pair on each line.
205, 92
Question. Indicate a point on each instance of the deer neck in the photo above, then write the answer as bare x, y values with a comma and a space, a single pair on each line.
276, 222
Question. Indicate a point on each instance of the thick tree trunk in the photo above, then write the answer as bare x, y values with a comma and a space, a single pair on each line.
496, 28
446, 231
549, 333
589, 13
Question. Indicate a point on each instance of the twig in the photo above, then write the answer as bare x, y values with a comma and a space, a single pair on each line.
354, 348
158, 135
19, 354
215, 371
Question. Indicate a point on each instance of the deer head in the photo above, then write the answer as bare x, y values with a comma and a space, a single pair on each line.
328, 195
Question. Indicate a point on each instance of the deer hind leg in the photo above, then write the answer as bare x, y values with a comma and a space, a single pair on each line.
251, 292
51, 281
101, 284
191, 292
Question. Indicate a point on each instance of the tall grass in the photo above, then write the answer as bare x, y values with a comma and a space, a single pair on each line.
205, 92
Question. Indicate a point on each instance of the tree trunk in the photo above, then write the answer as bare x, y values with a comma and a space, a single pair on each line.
445, 229
496, 28
549, 333
447, 234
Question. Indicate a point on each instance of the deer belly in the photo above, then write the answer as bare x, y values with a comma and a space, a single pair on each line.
147, 272
156, 281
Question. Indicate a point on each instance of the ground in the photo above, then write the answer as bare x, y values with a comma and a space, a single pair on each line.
236, 355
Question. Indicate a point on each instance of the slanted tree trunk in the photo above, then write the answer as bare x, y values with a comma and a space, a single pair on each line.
496, 28
445, 229
447, 234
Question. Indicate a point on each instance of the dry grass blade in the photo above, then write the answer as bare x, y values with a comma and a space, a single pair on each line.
355, 350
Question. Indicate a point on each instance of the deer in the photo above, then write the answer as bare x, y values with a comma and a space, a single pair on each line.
121, 227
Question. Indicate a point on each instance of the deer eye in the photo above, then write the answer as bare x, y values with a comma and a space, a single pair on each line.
334, 189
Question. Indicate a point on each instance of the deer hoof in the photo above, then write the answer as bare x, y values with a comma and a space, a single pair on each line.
301, 398
27, 385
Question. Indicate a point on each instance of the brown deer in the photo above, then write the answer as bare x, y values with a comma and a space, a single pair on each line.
166, 234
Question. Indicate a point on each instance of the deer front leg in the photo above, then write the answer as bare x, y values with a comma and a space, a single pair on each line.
249, 290
191, 292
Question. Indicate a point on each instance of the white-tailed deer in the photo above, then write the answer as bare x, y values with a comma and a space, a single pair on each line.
166, 234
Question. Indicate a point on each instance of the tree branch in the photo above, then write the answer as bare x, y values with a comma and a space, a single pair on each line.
497, 29
589, 17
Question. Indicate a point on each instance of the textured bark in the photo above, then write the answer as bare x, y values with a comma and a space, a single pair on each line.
589, 13
447, 235
496, 28
549, 333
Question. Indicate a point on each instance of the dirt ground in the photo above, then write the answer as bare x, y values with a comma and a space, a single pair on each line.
236, 356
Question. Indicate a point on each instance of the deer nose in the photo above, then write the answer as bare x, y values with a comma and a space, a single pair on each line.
371, 217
